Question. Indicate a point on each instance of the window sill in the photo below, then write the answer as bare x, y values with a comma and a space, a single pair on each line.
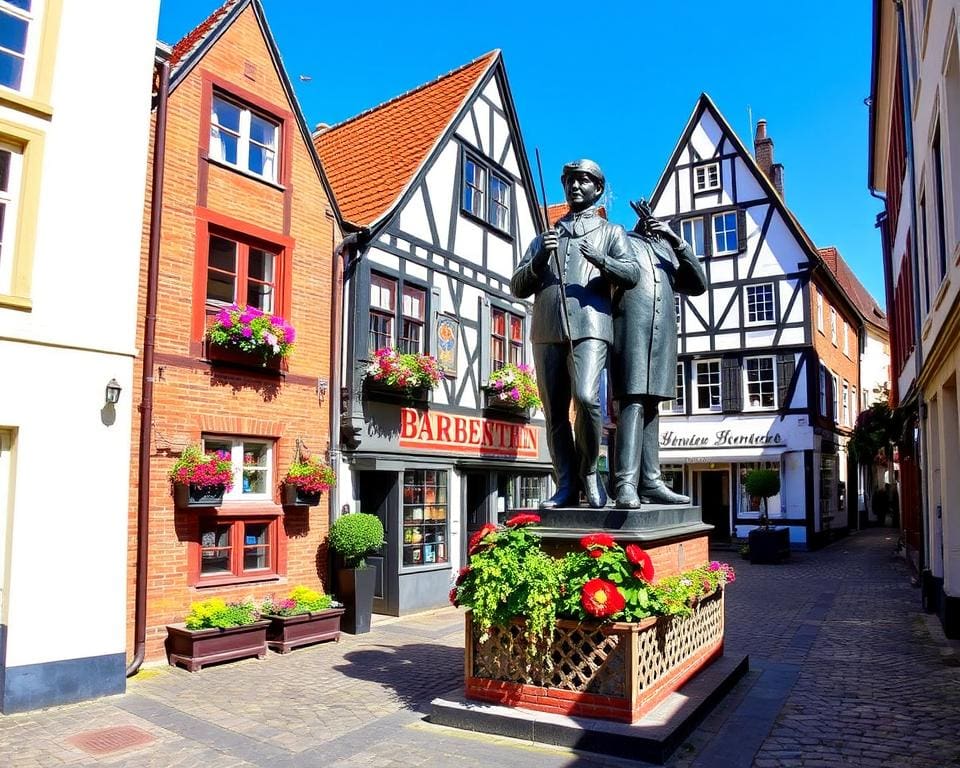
508, 236
16, 302
224, 581
248, 508
25, 104
248, 174
941, 293
409, 569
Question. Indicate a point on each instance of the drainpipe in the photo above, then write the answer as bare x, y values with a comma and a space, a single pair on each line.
149, 336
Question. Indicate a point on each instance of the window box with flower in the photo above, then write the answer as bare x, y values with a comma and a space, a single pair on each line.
200, 479
593, 633
249, 337
402, 374
305, 616
215, 631
512, 388
306, 480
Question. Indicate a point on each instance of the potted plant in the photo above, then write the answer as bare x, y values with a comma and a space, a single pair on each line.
408, 374
304, 616
306, 479
216, 630
514, 388
200, 479
766, 544
353, 536
241, 334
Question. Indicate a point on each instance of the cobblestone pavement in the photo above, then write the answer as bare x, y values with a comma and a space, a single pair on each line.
846, 670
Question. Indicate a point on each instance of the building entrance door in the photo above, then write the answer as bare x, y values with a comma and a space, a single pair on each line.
477, 507
378, 494
715, 503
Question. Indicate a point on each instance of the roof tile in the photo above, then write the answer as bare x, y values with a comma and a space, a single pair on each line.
198, 34
859, 295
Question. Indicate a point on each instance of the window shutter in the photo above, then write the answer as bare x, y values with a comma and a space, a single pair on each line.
741, 231
432, 328
786, 366
484, 341
730, 397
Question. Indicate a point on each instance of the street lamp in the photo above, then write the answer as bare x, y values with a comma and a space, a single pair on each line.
113, 392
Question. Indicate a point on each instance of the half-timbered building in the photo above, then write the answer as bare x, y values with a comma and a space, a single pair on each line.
437, 189
768, 356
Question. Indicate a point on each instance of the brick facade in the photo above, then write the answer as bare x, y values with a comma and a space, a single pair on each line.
193, 396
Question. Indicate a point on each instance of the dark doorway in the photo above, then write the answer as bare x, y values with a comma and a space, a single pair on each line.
377, 492
477, 507
715, 503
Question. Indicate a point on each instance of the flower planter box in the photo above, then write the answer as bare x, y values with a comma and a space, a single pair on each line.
288, 632
504, 407
379, 391
237, 358
617, 671
190, 496
769, 545
195, 648
294, 496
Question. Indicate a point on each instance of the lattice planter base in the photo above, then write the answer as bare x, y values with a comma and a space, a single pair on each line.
616, 671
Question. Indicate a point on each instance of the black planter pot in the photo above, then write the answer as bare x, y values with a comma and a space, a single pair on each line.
769, 545
355, 590
294, 496
189, 496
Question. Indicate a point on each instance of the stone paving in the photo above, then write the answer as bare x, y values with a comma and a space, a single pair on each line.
846, 670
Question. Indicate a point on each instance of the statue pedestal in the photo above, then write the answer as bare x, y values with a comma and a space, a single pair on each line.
674, 535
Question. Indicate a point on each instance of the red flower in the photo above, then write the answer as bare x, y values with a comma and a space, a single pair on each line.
524, 518
639, 557
601, 598
453, 598
479, 536
462, 574
595, 553
597, 540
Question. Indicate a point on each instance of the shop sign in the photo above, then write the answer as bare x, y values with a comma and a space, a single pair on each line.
722, 438
466, 435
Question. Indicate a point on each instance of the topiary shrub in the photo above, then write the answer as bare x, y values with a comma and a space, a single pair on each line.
356, 535
764, 483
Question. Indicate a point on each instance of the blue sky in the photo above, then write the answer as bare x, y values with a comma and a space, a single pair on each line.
617, 83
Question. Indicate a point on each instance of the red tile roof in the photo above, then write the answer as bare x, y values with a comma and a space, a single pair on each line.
556, 211
371, 158
851, 285
198, 34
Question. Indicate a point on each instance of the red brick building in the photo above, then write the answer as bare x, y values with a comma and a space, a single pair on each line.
247, 218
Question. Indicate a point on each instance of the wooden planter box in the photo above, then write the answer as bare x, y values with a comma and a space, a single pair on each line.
195, 648
237, 358
293, 496
189, 496
288, 632
618, 671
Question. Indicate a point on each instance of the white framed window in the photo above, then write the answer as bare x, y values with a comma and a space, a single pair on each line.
823, 391
819, 311
412, 314
854, 406
760, 304
485, 193
760, 377
679, 402
691, 230
707, 177
725, 233
252, 466
474, 187
846, 338
833, 326
835, 397
243, 138
383, 308
753, 505
499, 213
708, 391
11, 167
846, 403
19, 41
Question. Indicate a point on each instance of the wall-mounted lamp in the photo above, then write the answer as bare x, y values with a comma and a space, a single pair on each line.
113, 392
323, 386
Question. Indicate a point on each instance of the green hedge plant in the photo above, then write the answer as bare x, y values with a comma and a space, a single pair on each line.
356, 535
764, 483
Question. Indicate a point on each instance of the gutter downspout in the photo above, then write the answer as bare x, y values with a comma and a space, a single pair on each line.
149, 338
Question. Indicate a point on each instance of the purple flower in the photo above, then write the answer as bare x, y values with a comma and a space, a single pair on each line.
223, 317
290, 333
246, 332
515, 394
246, 317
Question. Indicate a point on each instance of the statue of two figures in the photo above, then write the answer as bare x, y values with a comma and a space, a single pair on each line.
604, 298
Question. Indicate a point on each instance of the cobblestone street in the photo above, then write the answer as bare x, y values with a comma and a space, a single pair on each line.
846, 670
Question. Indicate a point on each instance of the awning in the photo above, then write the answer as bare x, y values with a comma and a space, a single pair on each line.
716, 456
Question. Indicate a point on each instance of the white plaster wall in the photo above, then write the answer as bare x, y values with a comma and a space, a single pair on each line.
68, 527
874, 365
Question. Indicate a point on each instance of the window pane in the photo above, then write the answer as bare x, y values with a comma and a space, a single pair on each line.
382, 293
498, 322
226, 115
261, 162
413, 302
223, 254
215, 549
516, 328
221, 277
263, 132
22, 4
381, 331
4, 170
255, 467
255, 546
424, 517
11, 70
261, 265
473, 186
13, 32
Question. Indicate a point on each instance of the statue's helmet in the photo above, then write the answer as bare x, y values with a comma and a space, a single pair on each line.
584, 166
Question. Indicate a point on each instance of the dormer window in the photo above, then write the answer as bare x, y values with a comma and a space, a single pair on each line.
707, 177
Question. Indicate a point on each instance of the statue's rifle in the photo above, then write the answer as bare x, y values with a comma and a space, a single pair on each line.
556, 259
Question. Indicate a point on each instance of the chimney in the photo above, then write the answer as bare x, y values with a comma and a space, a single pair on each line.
320, 128
763, 153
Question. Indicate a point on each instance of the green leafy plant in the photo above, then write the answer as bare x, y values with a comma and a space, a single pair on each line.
763, 483
515, 385
311, 475
300, 600
356, 535
250, 329
216, 612
404, 370
204, 470
877, 427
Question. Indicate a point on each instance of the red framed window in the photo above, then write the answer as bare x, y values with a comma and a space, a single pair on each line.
236, 548
506, 338
242, 271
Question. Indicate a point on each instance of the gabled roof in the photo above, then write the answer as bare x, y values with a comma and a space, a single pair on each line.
705, 104
854, 289
373, 158
193, 46
556, 211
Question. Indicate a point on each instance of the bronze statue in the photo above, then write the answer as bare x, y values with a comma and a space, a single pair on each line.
572, 270
643, 364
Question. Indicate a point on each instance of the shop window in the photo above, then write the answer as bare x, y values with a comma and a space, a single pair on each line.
241, 272
384, 318
234, 549
753, 505
506, 338
425, 517
243, 138
679, 402
692, 232
829, 491
707, 374
760, 304
761, 380
486, 194
672, 477
252, 466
